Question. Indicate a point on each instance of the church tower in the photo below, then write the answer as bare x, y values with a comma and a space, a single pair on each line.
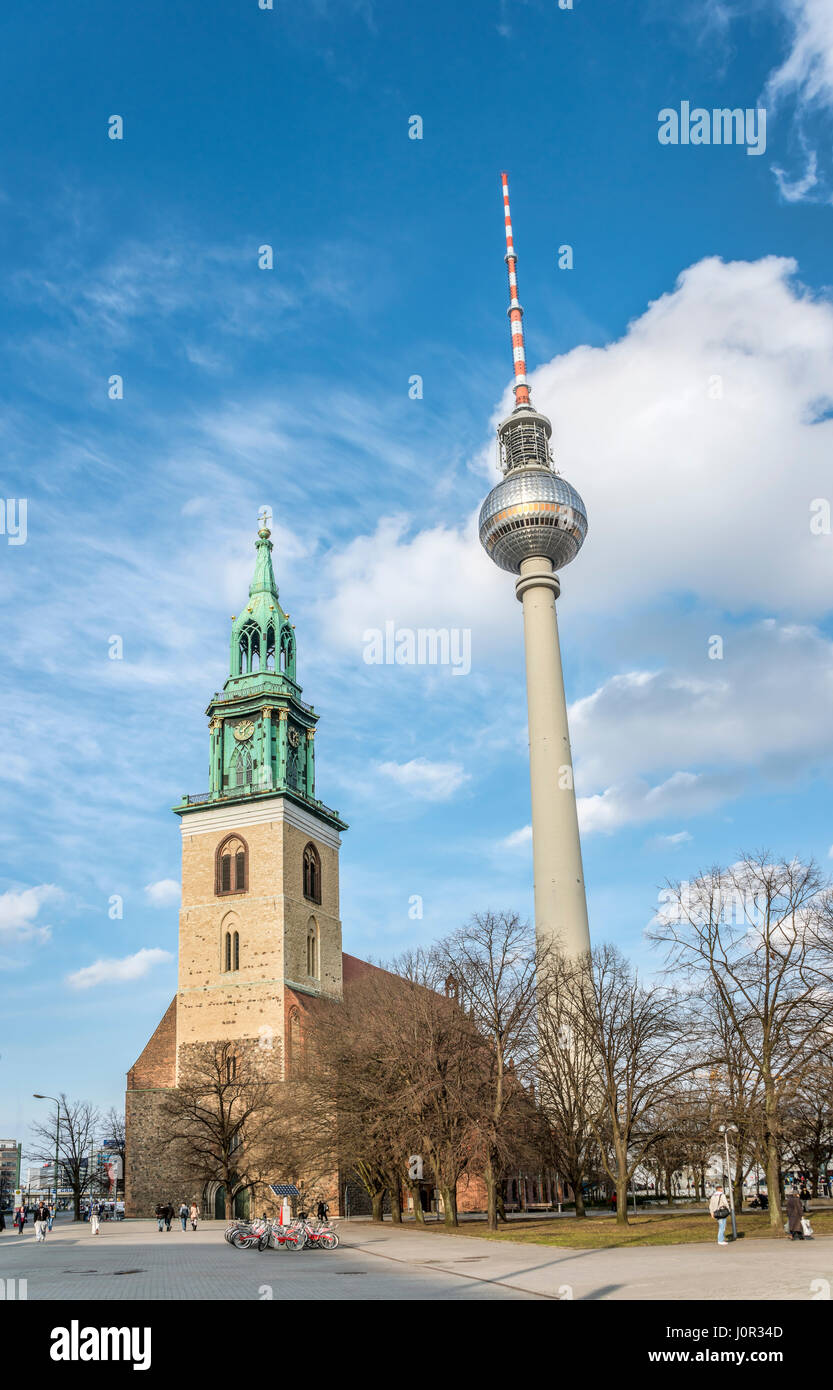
259, 921
259, 928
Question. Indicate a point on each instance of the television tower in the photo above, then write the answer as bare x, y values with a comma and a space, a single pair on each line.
533, 523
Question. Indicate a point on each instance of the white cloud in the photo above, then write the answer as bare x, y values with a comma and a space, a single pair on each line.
634, 801
426, 780
764, 705
438, 577
703, 733
518, 839
165, 893
793, 190
700, 470
802, 87
20, 907
106, 972
682, 837
807, 71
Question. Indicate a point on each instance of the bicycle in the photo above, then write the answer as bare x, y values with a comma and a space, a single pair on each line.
320, 1236
256, 1237
292, 1237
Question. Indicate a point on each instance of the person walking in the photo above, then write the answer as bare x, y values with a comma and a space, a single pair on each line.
183, 1215
323, 1211
41, 1222
95, 1217
195, 1215
169, 1216
20, 1219
719, 1209
160, 1216
2, 1221
795, 1213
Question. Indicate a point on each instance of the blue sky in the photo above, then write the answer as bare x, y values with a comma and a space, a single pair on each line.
686, 361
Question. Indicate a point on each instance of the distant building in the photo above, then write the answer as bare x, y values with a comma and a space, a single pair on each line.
10, 1155
41, 1179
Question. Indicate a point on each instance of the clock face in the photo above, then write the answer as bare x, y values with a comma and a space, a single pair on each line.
294, 737
243, 730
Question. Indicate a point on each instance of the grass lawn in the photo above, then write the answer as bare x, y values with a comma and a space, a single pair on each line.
649, 1228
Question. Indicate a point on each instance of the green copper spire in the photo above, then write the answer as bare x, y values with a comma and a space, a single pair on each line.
264, 579
261, 731
262, 639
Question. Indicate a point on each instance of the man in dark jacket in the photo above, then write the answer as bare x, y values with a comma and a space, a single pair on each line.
41, 1221
795, 1213
169, 1216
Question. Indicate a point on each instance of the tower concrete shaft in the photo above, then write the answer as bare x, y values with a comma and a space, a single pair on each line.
560, 900
533, 523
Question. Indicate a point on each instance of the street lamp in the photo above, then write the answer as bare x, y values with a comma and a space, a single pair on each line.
726, 1130
37, 1096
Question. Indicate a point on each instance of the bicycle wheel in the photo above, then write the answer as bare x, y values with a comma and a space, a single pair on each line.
329, 1240
295, 1240
241, 1240
263, 1243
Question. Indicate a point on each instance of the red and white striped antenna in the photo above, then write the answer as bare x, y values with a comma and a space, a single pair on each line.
516, 313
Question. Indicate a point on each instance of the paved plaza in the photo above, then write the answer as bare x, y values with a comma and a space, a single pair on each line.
132, 1260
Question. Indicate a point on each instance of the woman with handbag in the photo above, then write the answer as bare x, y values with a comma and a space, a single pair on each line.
720, 1210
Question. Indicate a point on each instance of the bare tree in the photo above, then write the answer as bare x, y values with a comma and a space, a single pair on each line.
222, 1118
638, 1041
113, 1134
807, 1119
568, 1098
359, 1078
489, 967
760, 932
78, 1126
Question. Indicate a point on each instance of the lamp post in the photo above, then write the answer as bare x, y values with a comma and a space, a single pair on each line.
725, 1130
37, 1096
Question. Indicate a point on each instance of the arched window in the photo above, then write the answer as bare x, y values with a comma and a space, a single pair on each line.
312, 949
230, 943
292, 769
249, 649
293, 1043
241, 770
270, 648
312, 874
232, 867
287, 651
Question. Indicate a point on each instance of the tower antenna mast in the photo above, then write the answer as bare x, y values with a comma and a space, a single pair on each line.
516, 313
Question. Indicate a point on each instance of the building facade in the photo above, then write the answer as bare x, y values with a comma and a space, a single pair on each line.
259, 926
10, 1155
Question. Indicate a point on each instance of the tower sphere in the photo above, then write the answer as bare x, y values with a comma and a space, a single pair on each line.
532, 512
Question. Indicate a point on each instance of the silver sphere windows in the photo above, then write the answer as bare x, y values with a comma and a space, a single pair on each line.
532, 512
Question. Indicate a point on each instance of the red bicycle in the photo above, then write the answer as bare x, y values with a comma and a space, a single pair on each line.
289, 1237
256, 1237
320, 1237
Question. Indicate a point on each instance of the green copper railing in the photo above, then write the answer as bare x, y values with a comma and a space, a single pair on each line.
251, 789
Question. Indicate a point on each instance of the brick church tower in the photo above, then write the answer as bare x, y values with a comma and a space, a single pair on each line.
259, 926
